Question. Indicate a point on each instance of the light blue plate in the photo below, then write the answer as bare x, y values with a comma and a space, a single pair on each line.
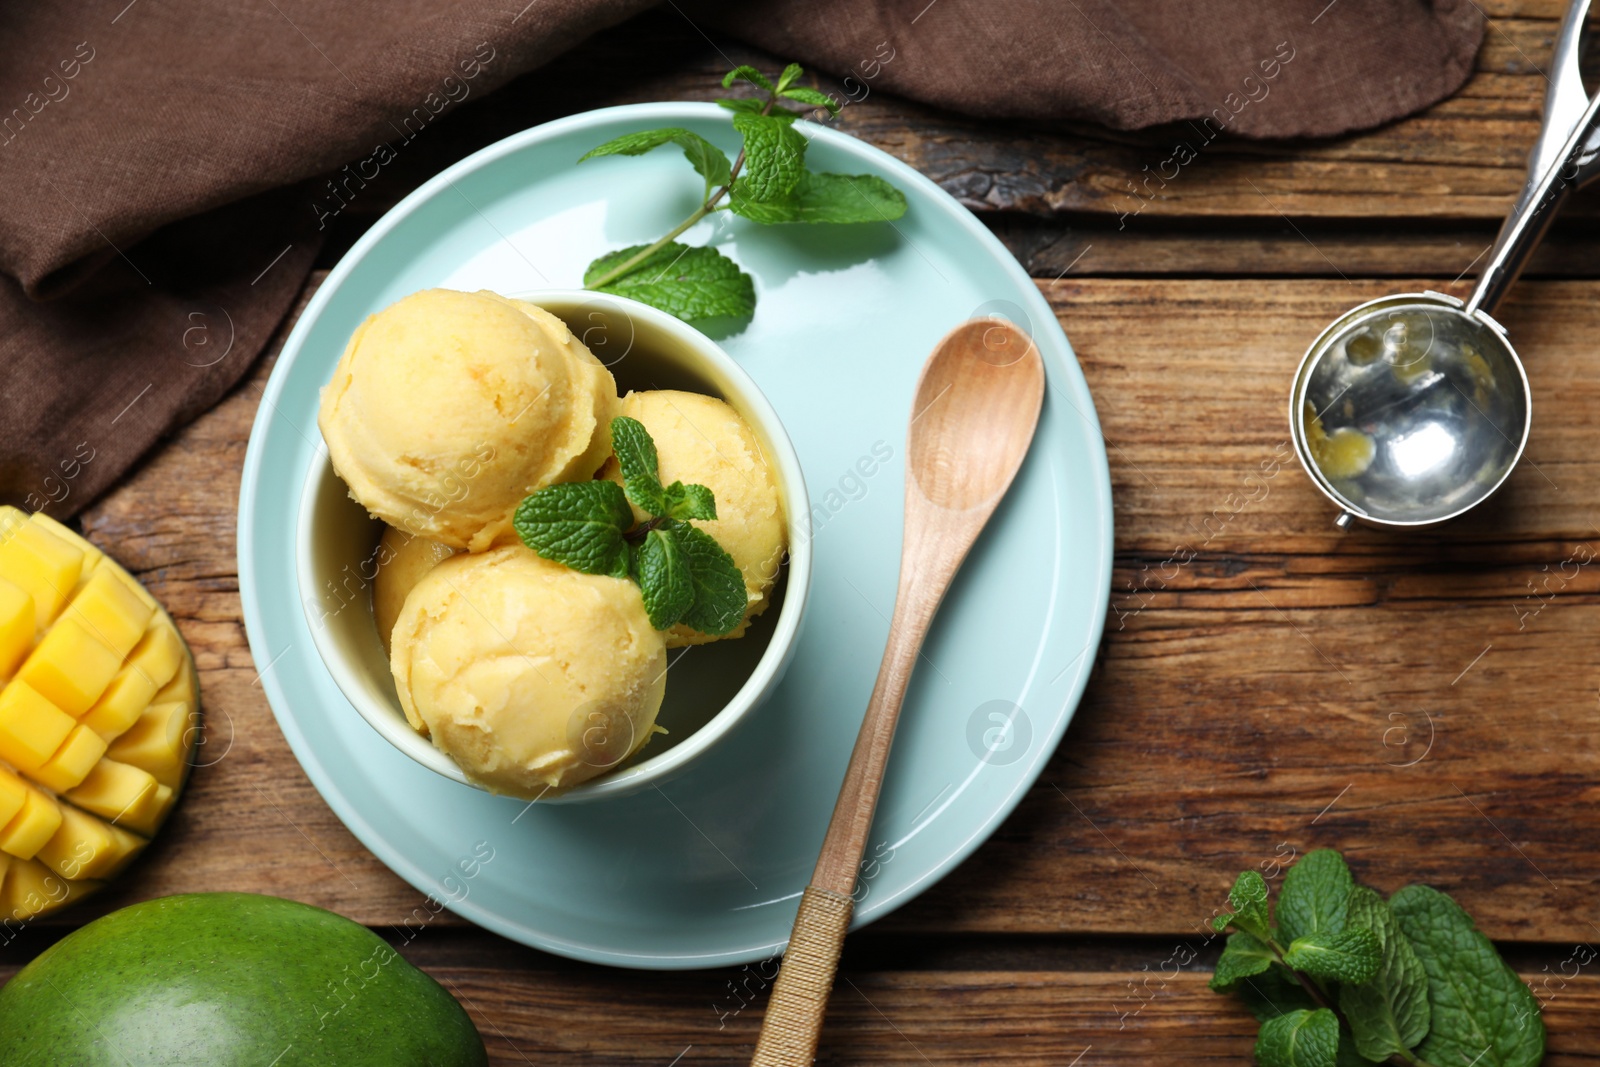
706, 869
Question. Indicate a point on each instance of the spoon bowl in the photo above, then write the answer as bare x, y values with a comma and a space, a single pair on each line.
1409, 410
984, 373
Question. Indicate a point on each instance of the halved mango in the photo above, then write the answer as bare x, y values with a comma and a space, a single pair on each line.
93, 662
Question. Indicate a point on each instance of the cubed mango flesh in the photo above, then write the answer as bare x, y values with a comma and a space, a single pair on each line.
158, 743
91, 555
117, 792
43, 564
31, 827
159, 654
119, 707
32, 889
73, 760
85, 847
92, 660
180, 688
107, 608
31, 727
71, 667
13, 792
17, 626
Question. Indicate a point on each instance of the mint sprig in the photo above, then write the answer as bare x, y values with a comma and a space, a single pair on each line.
767, 183
1339, 977
685, 281
683, 575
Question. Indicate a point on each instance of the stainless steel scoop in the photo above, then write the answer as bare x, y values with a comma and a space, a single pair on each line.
1409, 410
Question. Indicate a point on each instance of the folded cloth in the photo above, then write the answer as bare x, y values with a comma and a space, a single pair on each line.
158, 158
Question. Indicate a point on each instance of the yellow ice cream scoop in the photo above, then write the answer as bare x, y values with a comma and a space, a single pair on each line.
701, 440
98, 716
448, 408
533, 677
402, 560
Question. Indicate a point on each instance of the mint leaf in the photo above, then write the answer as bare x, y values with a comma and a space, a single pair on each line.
1249, 899
663, 573
1481, 1012
787, 78
579, 525
754, 106
1244, 957
690, 502
1389, 1014
1274, 992
1347, 1056
636, 455
687, 282
1299, 1039
708, 160
1350, 956
837, 198
774, 156
746, 73
719, 593
811, 96
1315, 896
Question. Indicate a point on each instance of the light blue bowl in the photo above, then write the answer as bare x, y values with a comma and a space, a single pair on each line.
707, 697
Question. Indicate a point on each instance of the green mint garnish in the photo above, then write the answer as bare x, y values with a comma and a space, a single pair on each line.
1348, 957
767, 183
1249, 900
1244, 957
683, 575
826, 198
1316, 895
636, 456
707, 158
1389, 1014
774, 155
1476, 1001
690, 502
662, 571
1299, 1039
1338, 977
683, 280
579, 525
719, 594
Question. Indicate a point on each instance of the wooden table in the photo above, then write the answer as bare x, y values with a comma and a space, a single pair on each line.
1428, 704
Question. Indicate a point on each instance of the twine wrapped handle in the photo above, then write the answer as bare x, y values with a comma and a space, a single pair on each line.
799, 1000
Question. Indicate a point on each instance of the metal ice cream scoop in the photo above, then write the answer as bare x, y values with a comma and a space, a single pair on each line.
1409, 410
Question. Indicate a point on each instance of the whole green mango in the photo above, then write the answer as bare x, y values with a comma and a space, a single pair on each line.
224, 979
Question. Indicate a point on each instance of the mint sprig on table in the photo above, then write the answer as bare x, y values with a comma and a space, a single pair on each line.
766, 183
683, 575
1339, 977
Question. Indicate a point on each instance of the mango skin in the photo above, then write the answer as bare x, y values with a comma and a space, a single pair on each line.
225, 979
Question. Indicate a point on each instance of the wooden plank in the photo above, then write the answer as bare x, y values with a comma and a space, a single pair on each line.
1229, 707
1330, 249
1070, 1003
1462, 159
1059, 1019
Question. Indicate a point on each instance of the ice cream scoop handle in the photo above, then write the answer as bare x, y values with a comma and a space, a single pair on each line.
800, 995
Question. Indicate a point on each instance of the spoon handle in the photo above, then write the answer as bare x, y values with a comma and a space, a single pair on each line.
793, 1021
1563, 160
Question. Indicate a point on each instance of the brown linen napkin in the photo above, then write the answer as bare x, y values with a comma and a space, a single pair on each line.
159, 158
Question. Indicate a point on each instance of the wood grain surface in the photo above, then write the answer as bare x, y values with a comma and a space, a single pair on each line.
1428, 704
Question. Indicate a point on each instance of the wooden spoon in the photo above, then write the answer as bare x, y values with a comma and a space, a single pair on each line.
976, 407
